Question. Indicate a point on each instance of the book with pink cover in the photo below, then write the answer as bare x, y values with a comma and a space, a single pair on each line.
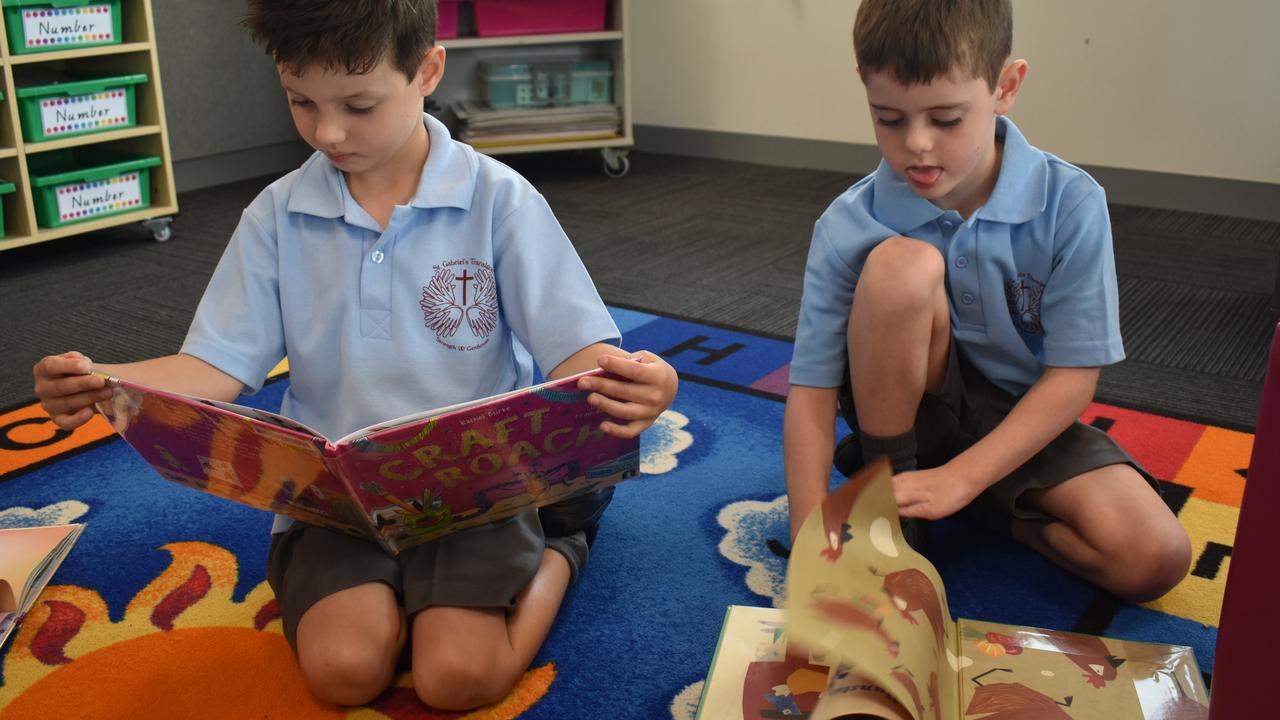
28, 558
400, 482
867, 633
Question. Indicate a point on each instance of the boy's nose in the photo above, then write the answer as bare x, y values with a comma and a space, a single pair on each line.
919, 140
329, 132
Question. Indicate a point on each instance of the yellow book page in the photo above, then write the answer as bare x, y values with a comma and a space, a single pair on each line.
756, 675
22, 551
858, 594
1013, 671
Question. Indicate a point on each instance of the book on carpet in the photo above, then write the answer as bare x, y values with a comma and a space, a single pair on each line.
28, 558
400, 482
867, 632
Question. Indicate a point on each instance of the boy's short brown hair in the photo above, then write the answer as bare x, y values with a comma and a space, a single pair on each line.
352, 35
919, 40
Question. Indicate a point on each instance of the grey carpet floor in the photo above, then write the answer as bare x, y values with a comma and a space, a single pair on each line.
716, 241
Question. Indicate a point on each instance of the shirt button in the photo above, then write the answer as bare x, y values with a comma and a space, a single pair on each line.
377, 256
962, 262
947, 224
967, 298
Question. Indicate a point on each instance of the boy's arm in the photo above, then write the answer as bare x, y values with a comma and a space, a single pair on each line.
808, 445
1057, 399
645, 388
67, 390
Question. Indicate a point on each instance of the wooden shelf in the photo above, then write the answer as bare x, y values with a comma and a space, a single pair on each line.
91, 139
515, 40
10, 242
620, 141
44, 57
149, 137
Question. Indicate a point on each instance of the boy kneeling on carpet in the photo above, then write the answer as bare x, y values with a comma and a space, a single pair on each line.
330, 265
967, 291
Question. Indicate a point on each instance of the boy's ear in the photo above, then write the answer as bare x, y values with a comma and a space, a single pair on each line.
1008, 85
431, 70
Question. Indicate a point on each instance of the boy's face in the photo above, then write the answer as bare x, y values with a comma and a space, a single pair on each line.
940, 137
361, 122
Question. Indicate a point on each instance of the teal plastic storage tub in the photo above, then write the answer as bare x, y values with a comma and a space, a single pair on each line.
78, 106
529, 85
5, 189
43, 25
88, 183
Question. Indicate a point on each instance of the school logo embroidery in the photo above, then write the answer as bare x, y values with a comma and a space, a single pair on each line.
1024, 295
461, 290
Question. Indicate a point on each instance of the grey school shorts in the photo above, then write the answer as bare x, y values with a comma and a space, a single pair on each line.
485, 566
968, 406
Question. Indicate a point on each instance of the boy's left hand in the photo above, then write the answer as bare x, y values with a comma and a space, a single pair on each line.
644, 387
931, 494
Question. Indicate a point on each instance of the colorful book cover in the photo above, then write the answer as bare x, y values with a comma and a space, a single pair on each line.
28, 558
865, 605
402, 481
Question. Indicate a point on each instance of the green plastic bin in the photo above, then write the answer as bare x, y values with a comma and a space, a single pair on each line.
87, 183
78, 106
5, 189
45, 25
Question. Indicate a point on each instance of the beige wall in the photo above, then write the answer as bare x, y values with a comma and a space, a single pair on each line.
1176, 86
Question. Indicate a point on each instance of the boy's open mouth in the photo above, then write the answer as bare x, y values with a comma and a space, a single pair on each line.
924, 175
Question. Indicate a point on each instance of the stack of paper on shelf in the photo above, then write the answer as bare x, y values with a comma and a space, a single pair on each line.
483, 127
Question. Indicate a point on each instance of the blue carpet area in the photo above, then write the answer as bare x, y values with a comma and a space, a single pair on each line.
704, 527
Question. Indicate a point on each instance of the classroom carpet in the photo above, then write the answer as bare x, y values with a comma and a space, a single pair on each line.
162, 610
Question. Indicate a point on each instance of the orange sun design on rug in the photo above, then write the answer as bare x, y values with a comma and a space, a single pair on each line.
184, 648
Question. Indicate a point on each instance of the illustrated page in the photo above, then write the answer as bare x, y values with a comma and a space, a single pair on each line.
1066, 676
857, 593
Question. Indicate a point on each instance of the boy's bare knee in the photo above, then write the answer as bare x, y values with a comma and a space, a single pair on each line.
1155, 564
448, 680
914, 269
348, 673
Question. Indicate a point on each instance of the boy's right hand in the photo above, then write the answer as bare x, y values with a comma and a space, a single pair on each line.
67, 389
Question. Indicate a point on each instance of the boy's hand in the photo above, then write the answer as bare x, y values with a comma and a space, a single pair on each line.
645, 387
932, 494
67, 390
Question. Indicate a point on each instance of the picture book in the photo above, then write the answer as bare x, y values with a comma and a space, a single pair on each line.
866, 631
28, 558
400, 482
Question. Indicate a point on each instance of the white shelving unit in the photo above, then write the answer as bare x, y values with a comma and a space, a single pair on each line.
461, 81
136, 54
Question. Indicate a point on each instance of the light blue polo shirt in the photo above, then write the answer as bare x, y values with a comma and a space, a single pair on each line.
470, 284
1030, 276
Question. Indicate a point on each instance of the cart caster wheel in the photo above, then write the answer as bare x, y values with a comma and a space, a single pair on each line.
616, 163
161, 228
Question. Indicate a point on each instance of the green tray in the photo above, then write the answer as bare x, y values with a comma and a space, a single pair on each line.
83, 179
60, 24
78, 107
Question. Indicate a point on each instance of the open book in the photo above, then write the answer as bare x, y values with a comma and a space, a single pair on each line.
867, 632
400, 482
28, 559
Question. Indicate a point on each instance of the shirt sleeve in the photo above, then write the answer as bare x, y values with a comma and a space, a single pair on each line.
237, 326
545, 293
821, 332
1080, 307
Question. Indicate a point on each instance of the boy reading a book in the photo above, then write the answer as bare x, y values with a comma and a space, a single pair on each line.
398, 270
968, 290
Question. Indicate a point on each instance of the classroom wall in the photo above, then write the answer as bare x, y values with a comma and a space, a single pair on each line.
227, 116
1168, 86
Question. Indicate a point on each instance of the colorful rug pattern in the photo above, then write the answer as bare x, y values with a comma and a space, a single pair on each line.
161, 610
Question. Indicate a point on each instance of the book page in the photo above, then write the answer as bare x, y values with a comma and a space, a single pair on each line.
237, 456
28, 557
755, 675
484, 462
856, 592
1051, 674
